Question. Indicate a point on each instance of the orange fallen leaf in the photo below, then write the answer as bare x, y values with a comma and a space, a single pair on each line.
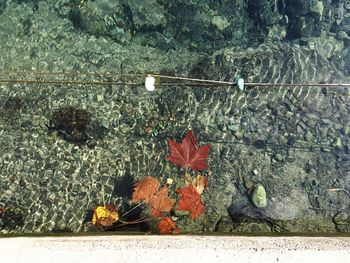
191, 201
144, 189
161, 202
147, 190
167, 226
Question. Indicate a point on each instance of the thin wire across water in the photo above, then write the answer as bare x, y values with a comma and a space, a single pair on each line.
133, 79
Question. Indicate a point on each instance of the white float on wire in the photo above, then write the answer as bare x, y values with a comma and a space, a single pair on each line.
149, 83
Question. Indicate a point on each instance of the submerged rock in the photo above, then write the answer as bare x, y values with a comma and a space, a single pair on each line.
147, 14
258, 197
316, 10
11, 218
341, 218
337, 142
220, 22
98, 18
243, 209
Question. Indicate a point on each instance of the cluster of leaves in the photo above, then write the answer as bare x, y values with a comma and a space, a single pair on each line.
188, 155
146, 190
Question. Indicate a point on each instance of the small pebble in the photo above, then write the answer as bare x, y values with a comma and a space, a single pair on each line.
278, 157
239, 135
308, 136
337, 142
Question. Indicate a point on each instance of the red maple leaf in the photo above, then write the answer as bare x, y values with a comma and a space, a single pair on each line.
191, 201
188, 153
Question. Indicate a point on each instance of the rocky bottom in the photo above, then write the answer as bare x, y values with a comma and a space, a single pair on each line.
277, 164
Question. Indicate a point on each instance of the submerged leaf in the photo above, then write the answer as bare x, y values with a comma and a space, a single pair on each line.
145, 189
191, 201
167, 226
161, 202
105, 215
188, 153
200, 183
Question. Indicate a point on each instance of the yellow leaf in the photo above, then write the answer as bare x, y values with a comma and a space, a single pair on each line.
105, 215
200, 183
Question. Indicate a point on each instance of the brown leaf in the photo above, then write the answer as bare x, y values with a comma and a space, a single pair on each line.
167, 226
161, 202
145, 189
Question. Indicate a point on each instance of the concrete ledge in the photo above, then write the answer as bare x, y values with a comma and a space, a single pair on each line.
101, 249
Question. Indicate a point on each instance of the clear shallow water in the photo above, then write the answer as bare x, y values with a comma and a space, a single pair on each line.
73, 145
